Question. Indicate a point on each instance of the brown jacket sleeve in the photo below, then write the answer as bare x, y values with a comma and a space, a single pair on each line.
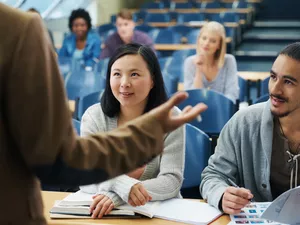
40, 122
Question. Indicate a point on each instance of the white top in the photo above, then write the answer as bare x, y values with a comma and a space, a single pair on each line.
162, 177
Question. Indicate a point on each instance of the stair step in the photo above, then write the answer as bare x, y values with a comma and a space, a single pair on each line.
257, 53
272, 34
277, 23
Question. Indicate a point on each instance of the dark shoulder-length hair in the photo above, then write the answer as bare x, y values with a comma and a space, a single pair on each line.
157, 95
80, 13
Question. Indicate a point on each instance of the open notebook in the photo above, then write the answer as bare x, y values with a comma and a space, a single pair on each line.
180, 210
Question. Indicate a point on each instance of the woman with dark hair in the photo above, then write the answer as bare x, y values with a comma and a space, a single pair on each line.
82, 44
134, 85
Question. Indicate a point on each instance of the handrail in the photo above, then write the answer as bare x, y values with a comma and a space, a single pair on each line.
19, 3
49, 10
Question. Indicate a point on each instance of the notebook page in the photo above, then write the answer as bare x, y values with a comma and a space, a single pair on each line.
187, 211
147, 210
77, 198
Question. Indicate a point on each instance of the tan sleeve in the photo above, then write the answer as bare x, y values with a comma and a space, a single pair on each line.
40, 122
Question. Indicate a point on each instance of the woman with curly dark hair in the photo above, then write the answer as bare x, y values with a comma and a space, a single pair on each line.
82, 44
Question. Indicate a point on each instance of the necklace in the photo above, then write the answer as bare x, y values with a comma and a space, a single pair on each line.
291, 145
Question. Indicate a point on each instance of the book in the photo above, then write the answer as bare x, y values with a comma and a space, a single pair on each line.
82, 210
180, 210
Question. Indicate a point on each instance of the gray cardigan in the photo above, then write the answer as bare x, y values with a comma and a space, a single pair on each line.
162, 177
243, 154
226, 81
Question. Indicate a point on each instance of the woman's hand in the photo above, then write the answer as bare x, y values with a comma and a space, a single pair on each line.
138, 195
200, 59
102, 205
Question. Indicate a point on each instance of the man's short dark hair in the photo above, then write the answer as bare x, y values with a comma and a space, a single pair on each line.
80, 13
292, 51
157, 95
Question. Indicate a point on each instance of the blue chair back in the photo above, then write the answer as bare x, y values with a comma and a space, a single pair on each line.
220, 109
264, 87
139, 16
182, 54
181, 5
76, 125
231, 17
171, 83
164, 63
197, 152
157, 17
243, 88
180, 29
86, 101
153, 33
240, 5
187, 17
214, 17
144, 28
153, 5
192, 36
263, 98
209, 5
175, 68
82, 83
166, 37
105, 27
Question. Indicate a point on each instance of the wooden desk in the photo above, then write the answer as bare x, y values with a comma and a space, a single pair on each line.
72, 105
50, 197
173, 47
253, 76
195, 25
247, 75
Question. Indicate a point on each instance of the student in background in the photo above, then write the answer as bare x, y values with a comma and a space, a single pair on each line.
82, 44
125, 34
211, 67
33, 10
134, 85
259, 148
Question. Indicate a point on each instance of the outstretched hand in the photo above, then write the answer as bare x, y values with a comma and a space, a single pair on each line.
170, 122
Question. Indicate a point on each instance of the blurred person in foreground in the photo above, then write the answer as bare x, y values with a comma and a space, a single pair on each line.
37, 138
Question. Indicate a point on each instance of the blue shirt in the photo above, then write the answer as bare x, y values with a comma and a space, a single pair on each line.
90, 53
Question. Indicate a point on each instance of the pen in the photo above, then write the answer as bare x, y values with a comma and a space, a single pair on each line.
232, 183
235, 185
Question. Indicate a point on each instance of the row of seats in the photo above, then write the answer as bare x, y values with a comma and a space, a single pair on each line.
179, 34
194, 4
152, 17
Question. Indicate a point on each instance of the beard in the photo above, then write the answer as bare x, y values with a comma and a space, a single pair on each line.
280, 115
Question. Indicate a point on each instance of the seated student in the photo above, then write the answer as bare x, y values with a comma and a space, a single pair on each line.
125, 34
134, 86
33, 10
82, 44
211, 67
259, 148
